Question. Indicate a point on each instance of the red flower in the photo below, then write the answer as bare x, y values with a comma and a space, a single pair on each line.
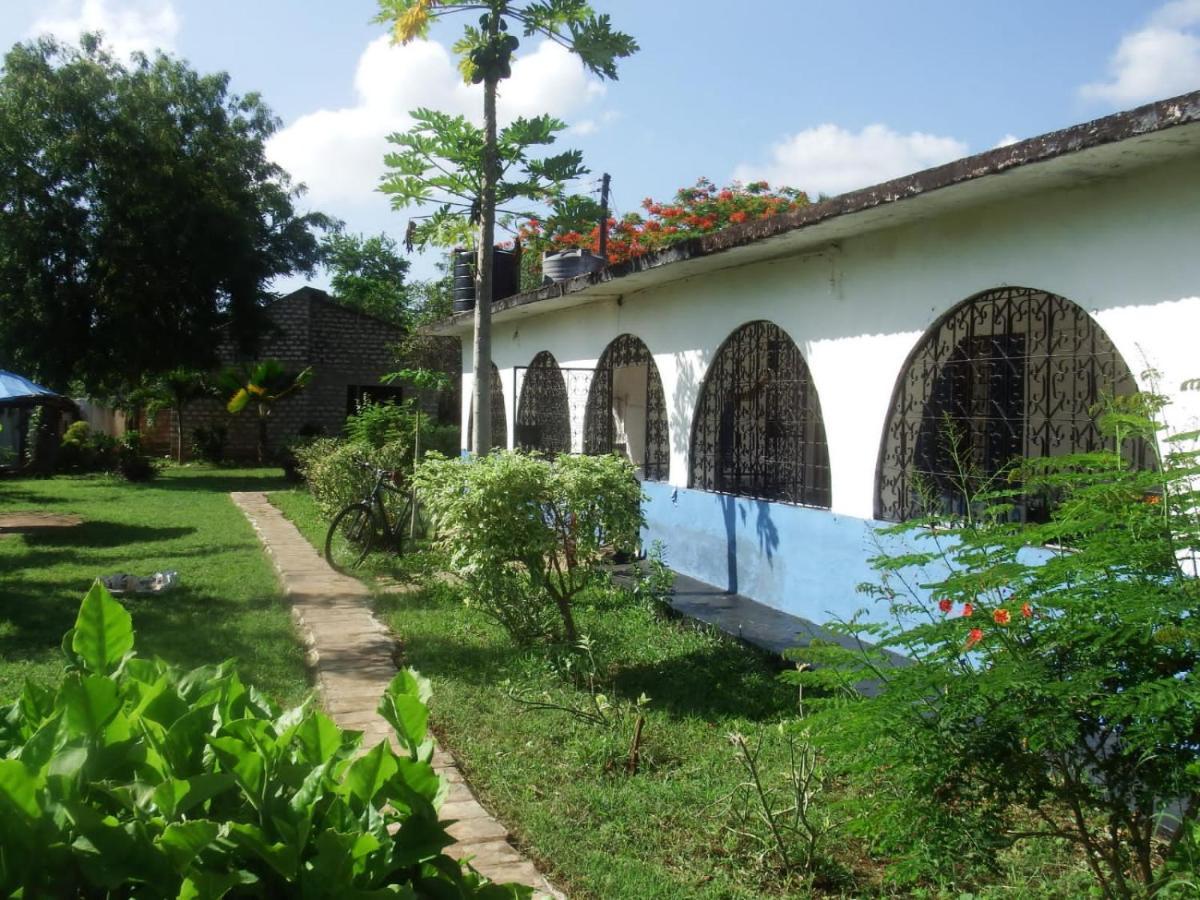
974, 636
1027, 610
725, 195
945, 604
968, 609
1001, 617
738, 217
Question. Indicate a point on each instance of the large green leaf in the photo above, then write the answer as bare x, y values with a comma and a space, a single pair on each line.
277, 855
319, 737
403, 706
202, 884
18, 788
182, 841
175, 797
88, 702
246, 764
369, 773
103, 631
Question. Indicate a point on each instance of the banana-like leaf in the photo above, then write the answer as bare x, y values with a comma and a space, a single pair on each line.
103, 631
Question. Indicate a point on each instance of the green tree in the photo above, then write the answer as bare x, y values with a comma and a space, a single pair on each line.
138, 212
173, 391
367, 274
486, 54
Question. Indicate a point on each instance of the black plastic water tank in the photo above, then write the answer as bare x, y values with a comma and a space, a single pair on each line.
506, 276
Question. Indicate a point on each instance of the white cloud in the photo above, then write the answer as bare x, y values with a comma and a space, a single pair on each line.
128, 25
1007, 141
1157, 61
339, 153
828, 159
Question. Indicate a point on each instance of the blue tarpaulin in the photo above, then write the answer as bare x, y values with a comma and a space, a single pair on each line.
14, 389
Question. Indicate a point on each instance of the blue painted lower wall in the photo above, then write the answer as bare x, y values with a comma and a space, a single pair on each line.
802, 561
807, 562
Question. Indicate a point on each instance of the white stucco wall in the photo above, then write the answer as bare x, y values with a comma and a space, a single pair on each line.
1123, 249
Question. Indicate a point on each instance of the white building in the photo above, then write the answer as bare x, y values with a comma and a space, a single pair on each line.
784, 384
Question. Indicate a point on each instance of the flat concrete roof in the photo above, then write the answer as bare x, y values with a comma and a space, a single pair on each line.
1102, 148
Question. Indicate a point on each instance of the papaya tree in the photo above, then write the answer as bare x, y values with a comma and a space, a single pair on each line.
485, 57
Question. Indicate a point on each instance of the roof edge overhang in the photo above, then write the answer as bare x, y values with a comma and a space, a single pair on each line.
1101, 148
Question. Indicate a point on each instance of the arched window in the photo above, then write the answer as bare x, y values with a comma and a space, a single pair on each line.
758, 430
627, 410
499, 419
1008, 374
543, 414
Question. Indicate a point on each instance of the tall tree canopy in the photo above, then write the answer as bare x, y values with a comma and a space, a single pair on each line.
138, 212
367, 274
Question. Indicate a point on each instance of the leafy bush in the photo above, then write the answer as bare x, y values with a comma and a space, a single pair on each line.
377, 424
132, 463
85, 450
133, 779
208, 443
339, 472
379, 435
525, 534
1052, 694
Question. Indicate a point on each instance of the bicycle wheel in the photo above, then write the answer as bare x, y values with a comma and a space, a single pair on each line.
350, 537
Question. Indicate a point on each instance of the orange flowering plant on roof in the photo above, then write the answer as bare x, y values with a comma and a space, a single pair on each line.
694, 211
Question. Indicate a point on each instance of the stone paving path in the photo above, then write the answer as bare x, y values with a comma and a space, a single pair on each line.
352, 656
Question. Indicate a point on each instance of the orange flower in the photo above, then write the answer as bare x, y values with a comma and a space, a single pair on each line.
945, 604
968, 609
974, 636
738, 217
1001, 617
1027, 610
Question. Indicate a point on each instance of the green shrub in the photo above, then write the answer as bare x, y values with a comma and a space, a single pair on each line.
379, 435
132, 463
1052, 694
208, 444
85, 450
377, 424
525, 534
133, 779
339, 472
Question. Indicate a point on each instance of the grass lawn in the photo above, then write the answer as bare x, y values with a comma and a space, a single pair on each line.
558, 783
228, 603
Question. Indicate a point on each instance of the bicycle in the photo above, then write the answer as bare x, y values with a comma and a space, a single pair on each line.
360, 526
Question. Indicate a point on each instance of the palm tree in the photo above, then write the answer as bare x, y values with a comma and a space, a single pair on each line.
263, 384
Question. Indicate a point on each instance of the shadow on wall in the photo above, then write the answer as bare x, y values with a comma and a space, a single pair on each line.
735, 515
768, 534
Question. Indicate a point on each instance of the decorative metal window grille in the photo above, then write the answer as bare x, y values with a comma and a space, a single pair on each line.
499, 419
1011, 373
543, 419
758, 430
599, 429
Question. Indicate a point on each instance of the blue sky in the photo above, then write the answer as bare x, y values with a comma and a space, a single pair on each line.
824, 96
